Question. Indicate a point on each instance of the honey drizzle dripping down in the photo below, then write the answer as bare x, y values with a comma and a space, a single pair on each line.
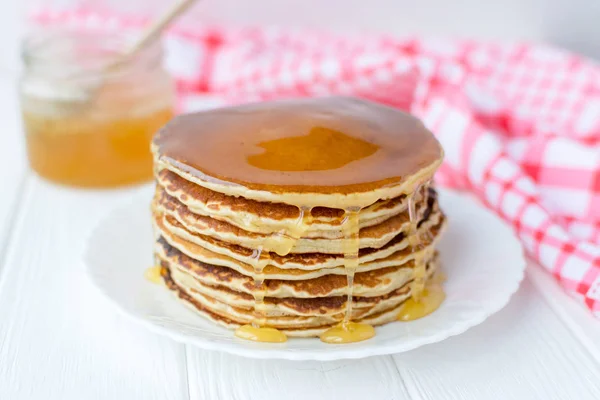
259, 291
347, 331
281, 243
416, 245
350, 229
154, 274
430, 300
425, 297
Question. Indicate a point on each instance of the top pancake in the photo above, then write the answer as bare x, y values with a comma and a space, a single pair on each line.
332, 152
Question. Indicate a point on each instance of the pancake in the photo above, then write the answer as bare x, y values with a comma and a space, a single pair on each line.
268, 218
302, 329
207, 249
369, 283
273, 306
270, 271
298, 215
375, 236
283, 320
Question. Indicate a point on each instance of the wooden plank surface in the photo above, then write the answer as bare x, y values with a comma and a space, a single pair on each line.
12, 153
523, 352
58, 338
220, 376
12, 159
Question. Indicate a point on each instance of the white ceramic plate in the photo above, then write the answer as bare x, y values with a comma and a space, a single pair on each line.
480, 255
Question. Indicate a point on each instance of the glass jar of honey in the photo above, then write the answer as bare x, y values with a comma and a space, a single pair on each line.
89, 120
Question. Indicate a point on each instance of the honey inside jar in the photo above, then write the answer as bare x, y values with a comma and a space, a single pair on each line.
86, 125
79, 152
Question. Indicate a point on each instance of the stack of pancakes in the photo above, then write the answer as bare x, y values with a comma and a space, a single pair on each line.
231, 231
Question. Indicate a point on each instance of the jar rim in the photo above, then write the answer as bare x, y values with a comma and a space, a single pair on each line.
69, 53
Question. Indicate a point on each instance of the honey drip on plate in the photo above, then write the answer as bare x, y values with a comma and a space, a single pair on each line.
348, 331
425, 297
154, 274
438, 278
260, 334
281, 243
430, 299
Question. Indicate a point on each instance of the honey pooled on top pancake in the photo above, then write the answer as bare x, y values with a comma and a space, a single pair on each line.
339, 154
311, 150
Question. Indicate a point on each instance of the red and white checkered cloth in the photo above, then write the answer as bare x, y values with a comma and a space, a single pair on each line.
520, 123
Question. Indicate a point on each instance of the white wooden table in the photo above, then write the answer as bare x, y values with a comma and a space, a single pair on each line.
60, 340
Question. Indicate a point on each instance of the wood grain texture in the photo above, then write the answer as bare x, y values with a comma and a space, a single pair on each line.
12, 161
58, 338
523, 352
12, 154
572, 313
220, 376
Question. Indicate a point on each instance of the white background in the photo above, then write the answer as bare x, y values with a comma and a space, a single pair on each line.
59, 340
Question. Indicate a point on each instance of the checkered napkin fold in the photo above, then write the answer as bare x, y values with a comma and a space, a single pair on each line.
520, 123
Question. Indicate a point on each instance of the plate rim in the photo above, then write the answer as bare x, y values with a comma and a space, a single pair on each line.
303, 355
